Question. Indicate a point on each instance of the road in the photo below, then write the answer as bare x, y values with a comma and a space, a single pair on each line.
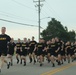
46, 69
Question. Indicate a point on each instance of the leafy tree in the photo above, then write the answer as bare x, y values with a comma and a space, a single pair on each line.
72, 35
56, 29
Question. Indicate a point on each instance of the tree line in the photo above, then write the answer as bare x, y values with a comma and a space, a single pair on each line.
56, 29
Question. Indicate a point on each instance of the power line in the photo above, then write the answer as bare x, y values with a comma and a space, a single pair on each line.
19, 23
53, 11
46, 13
23, 5
14, 16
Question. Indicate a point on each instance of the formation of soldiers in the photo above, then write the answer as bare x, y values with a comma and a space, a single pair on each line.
54, 50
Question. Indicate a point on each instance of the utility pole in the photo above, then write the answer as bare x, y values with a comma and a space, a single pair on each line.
39, 5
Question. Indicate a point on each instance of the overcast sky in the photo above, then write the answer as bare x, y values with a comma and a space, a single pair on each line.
24, 11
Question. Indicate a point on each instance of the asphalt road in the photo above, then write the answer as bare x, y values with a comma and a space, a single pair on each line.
46, 69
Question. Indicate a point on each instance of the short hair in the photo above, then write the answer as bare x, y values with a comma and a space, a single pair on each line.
33, 37
41, 38
3, 27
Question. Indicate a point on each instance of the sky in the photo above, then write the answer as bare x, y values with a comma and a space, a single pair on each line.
26, 11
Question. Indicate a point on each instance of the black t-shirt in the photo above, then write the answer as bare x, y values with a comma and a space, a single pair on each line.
24, 46
11, 47
48, 46
63, 47
32, 45
53, 47
59, 44
40, 46
68, 48
18, 46
4, 39
72, 48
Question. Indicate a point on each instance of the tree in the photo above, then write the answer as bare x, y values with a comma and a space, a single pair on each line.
72, 35
56, 29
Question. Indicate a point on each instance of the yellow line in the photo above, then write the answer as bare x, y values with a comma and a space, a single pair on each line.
58, 69
49, 71
53, 70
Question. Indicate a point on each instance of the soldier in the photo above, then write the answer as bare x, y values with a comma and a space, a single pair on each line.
32, 45
18, 51
4, 39
24, 50
11, 49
